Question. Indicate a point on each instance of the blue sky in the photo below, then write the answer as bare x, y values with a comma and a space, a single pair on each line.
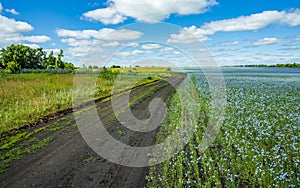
234, 32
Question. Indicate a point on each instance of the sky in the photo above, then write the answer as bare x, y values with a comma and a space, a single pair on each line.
227, 32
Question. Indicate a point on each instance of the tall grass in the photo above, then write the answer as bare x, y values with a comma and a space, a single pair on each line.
26, 97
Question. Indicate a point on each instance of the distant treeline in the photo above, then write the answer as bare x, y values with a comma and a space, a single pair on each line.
290, 65
18, 57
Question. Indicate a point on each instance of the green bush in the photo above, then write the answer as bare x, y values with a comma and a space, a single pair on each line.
14, 67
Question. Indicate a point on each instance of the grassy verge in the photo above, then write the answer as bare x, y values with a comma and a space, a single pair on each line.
26, 97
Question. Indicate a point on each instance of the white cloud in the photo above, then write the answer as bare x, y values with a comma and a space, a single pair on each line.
131, 44
32, 45
291, 18
74, 42
177, 55
129, 53
76, 52
244, 59
136, 52
227, 43
12, 32
151, 46
167, 49
122, 34
84, 42
36, 38
146, 10
203, 50
227, 50
13, 38
103, 34
55, 51
113, 44
124, 53
80, 47
85, 34
12, 11
188, 35
82, 52
106, 15
9, 25
297, 38
116, 43
266, 41
252, 22
87, 47
290, 48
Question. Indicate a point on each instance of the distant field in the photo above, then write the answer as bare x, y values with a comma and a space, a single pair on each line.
28, 96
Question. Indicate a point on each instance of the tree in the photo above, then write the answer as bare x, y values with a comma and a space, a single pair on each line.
115, 66
25, 56
59, 64
51, 61
69, 66
290, 65
30, 58
40, 56
105, 69
2, 61
14, 67
13, 53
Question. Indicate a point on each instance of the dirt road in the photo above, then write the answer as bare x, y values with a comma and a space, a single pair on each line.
67, 161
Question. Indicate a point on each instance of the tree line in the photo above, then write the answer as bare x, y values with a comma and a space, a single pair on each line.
289, 65
18, 57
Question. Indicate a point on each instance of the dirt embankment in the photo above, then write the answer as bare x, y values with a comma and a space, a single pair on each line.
67, 161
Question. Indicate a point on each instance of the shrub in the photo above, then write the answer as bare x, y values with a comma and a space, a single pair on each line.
14, 67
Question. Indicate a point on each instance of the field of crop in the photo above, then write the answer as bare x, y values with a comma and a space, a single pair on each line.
28, 96
258, 145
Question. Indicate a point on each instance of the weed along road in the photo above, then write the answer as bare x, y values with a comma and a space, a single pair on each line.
56, 155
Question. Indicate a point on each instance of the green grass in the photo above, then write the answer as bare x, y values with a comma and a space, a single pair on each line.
121, 133
90, 159
26, 97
